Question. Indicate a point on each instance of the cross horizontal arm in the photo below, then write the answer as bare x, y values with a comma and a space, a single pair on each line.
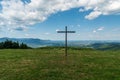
65, 31
70, 31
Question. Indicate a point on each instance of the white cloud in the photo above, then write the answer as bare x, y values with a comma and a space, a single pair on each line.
81, 10
10, 30
94, 31
57, 30
93, 15
100, 29
21, 28
47, 33
27, 35
15, 13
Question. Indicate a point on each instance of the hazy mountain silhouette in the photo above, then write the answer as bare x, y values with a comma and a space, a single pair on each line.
32, 42
99, 45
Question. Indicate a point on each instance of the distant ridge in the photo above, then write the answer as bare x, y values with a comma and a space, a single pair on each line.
106, 46
32, 42
99, 45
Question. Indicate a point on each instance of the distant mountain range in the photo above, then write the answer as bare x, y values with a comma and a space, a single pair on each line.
106, 46
32, 42
100, 45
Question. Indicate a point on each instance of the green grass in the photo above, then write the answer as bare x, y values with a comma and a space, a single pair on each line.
51, 64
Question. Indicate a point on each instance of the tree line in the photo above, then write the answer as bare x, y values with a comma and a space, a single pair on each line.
8, 44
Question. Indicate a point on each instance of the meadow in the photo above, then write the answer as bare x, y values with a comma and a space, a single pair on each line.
51, 64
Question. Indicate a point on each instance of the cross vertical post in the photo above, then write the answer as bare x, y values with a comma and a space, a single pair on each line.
66, 32
66, 41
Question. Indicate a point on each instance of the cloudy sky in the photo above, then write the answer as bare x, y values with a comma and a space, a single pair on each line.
91, 19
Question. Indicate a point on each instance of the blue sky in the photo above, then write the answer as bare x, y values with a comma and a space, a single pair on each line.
29, 20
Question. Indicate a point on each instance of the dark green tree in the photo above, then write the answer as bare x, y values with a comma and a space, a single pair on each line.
23, 46
1, 45
15, 45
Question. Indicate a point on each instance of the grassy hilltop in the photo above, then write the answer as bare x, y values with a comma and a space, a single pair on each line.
51, 64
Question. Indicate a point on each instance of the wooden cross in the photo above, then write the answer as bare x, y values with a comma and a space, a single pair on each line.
66, 31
